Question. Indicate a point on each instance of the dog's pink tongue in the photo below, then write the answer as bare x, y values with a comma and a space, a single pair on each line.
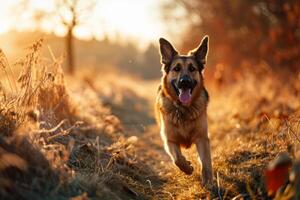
185, 96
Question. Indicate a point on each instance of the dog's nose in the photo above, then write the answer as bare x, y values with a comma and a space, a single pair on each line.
185, 82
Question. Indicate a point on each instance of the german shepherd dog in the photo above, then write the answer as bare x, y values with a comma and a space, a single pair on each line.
181, 106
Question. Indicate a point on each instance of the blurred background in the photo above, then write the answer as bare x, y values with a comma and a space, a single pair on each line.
251, 35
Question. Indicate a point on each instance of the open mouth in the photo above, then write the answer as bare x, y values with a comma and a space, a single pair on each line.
184, 94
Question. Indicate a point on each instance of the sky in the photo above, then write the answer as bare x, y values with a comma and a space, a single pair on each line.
138, 20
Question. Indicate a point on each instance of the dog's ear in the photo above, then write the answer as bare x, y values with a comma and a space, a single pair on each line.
167, 51
202, 51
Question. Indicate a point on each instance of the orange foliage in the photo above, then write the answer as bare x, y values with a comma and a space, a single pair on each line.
251, 32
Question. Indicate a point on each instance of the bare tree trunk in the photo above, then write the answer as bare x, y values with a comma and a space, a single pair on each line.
70, 56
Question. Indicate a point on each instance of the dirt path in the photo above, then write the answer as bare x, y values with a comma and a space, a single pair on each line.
167, 182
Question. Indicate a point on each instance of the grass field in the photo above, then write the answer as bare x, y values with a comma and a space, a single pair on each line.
95, 137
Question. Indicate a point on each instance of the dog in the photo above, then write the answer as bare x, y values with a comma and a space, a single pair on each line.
181, 106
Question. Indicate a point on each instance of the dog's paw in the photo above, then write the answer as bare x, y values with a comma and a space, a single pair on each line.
188, 169
185, 166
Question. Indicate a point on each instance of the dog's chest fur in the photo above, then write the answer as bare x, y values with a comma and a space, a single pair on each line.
178, 114
180, 122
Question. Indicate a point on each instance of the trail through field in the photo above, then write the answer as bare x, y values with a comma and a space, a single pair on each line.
93, 135
137, 115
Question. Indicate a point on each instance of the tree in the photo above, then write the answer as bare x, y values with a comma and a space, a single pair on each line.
69, 13
75, 10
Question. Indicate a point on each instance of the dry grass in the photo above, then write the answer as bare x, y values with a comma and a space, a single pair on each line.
56, 144
81, 137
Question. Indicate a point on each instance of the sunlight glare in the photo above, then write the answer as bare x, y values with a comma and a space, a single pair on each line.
132, 18
118, 20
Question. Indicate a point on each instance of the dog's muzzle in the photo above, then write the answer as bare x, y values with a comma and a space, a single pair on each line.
184, 88
185, 82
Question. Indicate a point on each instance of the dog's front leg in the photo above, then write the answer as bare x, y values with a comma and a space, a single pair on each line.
174, 152
203, 147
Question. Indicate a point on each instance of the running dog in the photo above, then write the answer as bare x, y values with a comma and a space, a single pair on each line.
181, 106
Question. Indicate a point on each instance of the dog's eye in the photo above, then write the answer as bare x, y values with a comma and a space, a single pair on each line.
176, 68
191, 68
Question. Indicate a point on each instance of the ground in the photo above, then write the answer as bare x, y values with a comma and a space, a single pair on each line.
93, 135
243, 139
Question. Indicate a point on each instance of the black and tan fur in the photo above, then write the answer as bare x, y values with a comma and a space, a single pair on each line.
184, 124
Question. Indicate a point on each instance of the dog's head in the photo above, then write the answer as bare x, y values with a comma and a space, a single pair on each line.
182, 79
